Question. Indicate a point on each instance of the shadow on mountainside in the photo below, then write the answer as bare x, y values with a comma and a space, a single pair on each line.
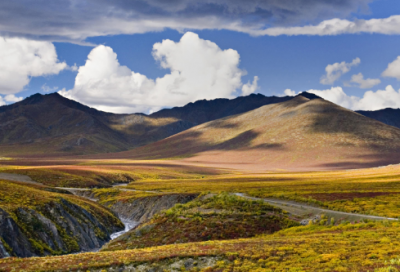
189, 144
363, 161
297, 132
243, 141
367, 133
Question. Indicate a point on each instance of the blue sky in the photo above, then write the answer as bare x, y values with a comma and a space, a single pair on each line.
285, 50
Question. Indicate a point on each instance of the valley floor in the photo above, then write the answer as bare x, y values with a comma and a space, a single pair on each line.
199, 218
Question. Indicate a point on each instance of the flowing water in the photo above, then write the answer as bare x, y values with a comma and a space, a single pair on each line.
129, 224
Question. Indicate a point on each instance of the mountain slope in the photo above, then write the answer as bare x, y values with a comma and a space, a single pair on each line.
43, 124
388, 116
52, 124
299, 133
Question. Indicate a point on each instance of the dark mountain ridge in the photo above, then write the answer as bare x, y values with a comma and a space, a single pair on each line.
388, 116
203, 111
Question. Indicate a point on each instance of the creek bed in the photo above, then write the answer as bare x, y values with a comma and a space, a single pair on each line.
129, 224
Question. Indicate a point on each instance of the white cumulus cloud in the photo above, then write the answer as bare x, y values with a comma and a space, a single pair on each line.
250, 88
393, 69
289, 92
199, 69
12, 98
364, 83
336, 70
381, 99
22, 59
337, 96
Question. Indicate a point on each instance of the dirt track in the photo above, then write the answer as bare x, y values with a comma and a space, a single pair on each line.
304, 210
301, 210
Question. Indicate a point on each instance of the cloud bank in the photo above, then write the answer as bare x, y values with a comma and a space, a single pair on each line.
22, 59
381, 99
199, 69
76, 20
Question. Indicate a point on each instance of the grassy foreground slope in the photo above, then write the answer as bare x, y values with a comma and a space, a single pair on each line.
296, 134
358, 247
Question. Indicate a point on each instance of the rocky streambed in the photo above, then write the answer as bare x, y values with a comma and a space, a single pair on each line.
69, 225
133, 213
129, 224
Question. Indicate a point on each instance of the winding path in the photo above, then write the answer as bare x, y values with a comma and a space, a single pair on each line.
301, 209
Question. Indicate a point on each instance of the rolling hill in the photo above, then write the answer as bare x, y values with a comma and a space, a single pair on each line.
54, 125
295, 134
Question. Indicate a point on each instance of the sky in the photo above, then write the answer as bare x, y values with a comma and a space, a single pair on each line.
128, 56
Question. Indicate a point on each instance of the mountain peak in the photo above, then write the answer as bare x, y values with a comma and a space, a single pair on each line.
310, 96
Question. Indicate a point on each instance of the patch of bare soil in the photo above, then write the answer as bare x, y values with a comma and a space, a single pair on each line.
17, 177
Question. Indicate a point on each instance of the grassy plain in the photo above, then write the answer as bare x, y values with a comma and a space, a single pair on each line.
343, 247
370, 191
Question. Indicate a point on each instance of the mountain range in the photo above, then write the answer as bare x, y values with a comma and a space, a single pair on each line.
54, 125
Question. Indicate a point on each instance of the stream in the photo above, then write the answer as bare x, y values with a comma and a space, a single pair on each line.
129, 224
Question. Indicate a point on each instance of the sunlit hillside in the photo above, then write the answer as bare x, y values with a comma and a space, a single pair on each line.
297, 134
